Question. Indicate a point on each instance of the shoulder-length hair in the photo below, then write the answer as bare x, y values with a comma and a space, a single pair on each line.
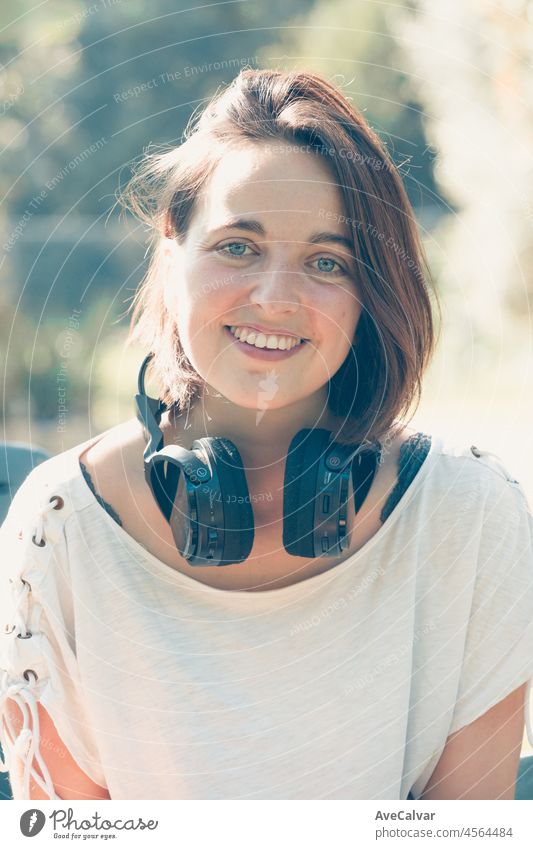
381, 376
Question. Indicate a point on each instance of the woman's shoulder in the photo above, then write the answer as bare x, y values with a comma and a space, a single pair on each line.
448, 456
459, 474
473, 459
118, 445
60, 476
112, 465
468, 477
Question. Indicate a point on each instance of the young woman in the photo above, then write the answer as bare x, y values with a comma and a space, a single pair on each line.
287, 291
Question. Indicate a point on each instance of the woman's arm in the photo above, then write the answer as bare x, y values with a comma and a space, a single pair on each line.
480, 761
69, 780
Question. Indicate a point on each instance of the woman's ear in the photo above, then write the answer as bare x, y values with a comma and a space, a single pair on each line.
167, 226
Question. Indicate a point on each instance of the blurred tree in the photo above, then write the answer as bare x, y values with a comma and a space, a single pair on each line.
354, 42
479, 101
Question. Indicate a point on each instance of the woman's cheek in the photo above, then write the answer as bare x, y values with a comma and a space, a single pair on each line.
349, 314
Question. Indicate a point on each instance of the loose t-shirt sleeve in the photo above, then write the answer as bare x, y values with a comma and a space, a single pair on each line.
38, 647
498, 653
498, 633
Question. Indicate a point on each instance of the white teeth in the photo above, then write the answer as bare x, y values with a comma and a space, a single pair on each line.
261, 340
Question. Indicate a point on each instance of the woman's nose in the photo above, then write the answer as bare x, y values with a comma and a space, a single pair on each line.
277, 290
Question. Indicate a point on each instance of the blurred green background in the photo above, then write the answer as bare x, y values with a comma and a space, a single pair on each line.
85, 88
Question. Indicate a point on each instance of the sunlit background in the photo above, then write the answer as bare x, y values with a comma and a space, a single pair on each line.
85, 88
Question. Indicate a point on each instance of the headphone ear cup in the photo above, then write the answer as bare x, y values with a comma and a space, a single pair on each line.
300, 489
236, 506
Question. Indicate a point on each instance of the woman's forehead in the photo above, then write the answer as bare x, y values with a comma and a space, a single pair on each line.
276, 163
262, 182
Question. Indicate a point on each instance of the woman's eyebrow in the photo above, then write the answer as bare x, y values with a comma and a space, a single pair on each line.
254, 226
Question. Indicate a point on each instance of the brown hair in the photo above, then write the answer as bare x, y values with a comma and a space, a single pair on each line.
395, 336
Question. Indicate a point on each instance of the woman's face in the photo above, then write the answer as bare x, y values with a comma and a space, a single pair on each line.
277, 269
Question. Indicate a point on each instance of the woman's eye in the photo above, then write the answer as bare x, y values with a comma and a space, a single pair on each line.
225, 248
328, 265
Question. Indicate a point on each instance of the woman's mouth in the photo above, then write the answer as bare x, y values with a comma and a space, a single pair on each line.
261, 346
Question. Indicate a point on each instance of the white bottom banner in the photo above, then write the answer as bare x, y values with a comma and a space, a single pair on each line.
341, 824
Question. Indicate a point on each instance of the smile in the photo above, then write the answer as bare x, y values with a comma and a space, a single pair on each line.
269, 349
265, 340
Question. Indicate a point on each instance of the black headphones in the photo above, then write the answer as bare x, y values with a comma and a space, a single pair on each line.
208, 504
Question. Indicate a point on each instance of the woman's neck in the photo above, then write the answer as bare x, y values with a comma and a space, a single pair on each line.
262, 436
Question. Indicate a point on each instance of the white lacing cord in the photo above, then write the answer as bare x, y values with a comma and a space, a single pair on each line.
26, 745
45, 506
19, 596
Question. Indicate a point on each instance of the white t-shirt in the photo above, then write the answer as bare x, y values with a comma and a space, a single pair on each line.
342, 686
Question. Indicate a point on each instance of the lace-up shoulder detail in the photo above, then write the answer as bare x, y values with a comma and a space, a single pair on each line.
37, 657
28, 549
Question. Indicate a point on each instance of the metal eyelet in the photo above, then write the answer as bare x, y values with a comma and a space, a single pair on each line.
24, 581
40, 544
27, 671
7, 629
25, 637
60, 503
475, 451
